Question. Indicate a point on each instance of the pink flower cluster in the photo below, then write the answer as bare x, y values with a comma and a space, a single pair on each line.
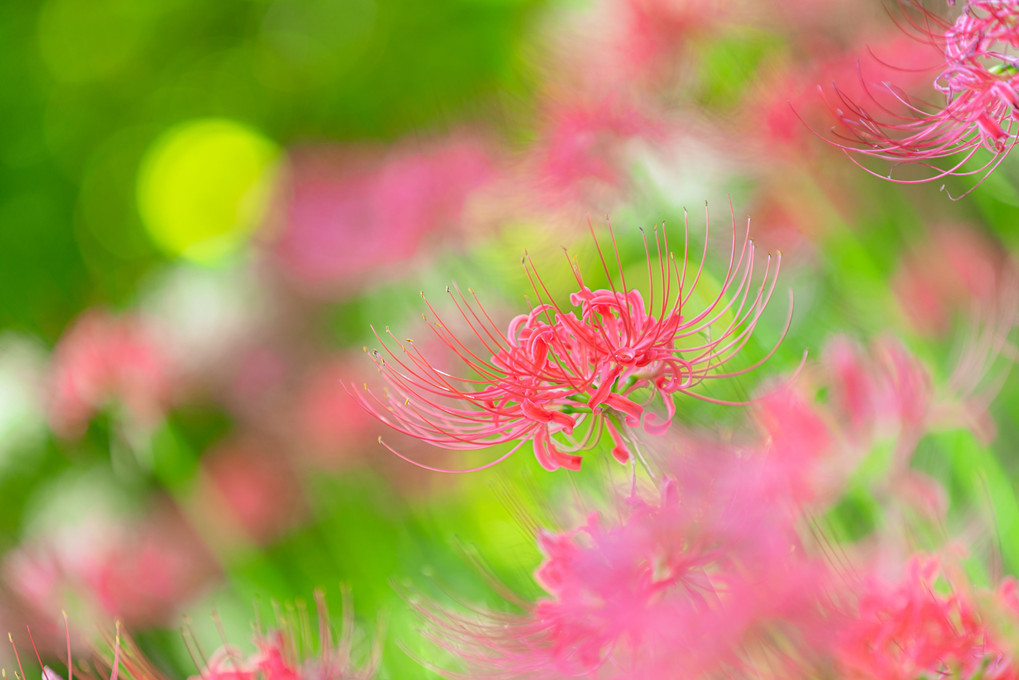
700, 583
979, 83
140, 573
728, 575
560, 377
279, 654
911, 630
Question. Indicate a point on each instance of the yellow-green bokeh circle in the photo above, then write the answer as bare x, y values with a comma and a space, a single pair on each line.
204, 186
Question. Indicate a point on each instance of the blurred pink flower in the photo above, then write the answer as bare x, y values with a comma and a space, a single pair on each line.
140, 573
553, 370
915, 630
102, 359
805, 22
144, 574
327, 429
699, 583
978, 82
954, 270
890, 387
870, 399
255, 382
782, 105
797, 440
283, 654
246, 489
34, 590
651, 32
580, 143
345, 214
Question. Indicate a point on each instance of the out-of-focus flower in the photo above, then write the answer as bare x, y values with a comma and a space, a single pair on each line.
649, 31
805, 22
140, 574
701, 583
146, 574
878, 392
330, 422
978, 82
32, 590
345, 214
103, 359
916, 630
954, 270
580, 146
790, 97
248, 489
797, 441
281, 655
554, 369
888, 388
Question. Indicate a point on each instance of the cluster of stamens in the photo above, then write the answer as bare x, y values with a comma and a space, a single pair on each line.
561, 376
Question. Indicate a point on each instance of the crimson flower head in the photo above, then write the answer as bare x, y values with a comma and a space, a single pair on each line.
977, 88
560, 376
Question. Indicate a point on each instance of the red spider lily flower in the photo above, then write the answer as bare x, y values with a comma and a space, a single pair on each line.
697, 583
913, 630
279, 654
782, 106
979, 83
521, 394
560, 377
